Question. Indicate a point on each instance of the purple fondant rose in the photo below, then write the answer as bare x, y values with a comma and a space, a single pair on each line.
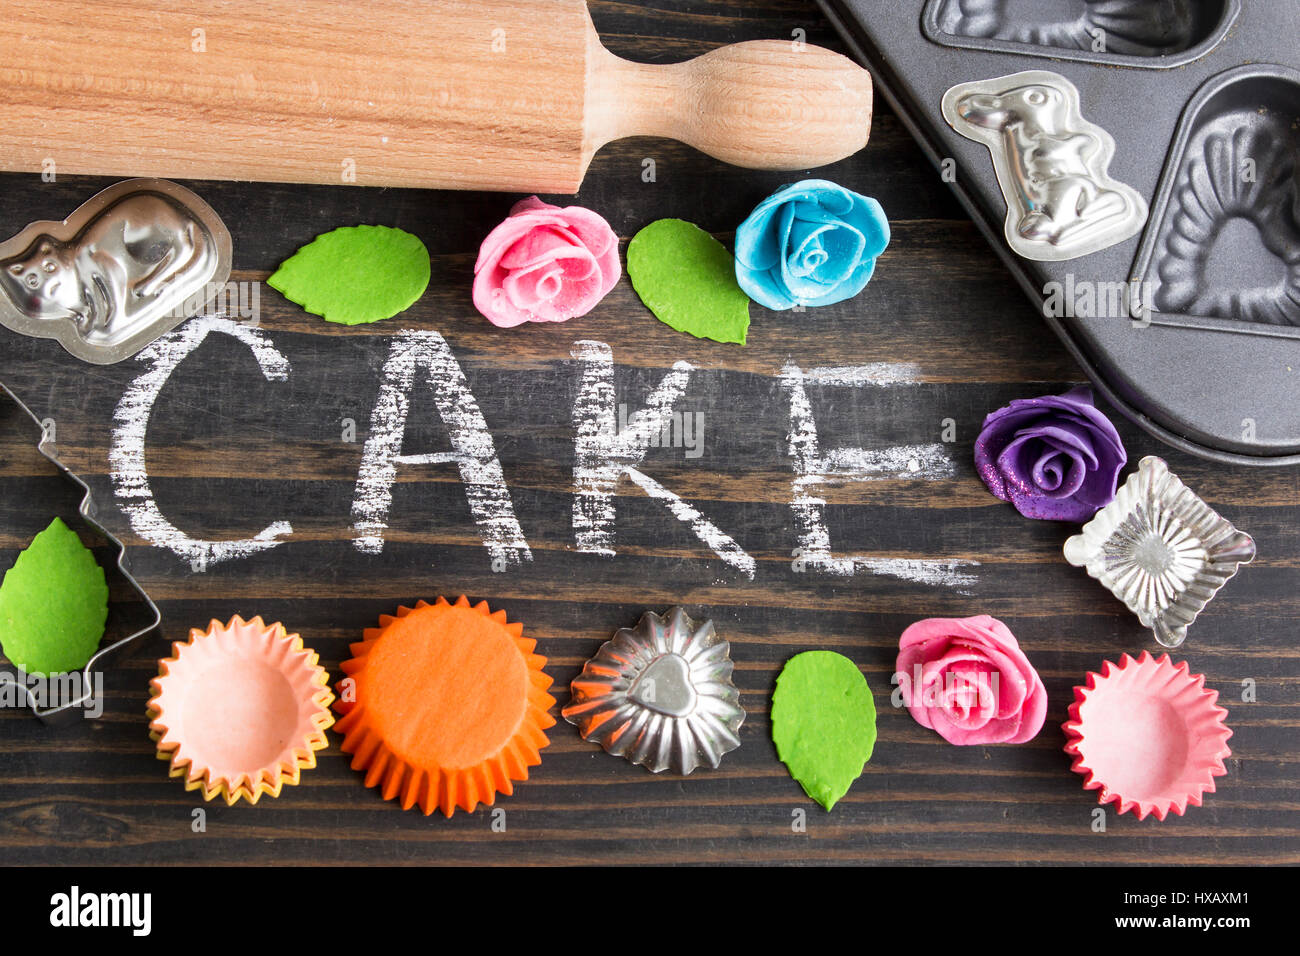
1055, 457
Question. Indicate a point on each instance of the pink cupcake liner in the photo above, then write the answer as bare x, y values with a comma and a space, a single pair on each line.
239, 710
1148, 735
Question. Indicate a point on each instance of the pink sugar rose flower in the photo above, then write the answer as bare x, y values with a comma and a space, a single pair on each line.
968, 680
545, 264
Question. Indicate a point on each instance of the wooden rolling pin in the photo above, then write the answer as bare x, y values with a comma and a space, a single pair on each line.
492, 94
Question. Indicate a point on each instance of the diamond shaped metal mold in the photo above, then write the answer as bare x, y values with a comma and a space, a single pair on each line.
1161, 550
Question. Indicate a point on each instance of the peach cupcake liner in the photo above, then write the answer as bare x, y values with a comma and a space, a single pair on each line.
1147, 734
239, 710
444, 706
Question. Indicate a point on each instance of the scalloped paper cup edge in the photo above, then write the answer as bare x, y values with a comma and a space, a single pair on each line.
1197, 778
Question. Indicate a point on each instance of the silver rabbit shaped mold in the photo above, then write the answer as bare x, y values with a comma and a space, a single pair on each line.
1051, 163
130, 264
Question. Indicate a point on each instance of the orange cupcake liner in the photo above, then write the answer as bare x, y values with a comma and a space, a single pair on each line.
239, 710
444, 706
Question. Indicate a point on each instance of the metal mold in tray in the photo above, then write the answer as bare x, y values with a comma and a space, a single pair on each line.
131, 263
1050, 162
1224, 239
1143, 33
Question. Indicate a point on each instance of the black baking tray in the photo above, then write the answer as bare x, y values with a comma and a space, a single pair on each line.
1216, 372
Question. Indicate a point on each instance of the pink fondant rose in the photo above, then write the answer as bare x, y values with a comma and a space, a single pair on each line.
968, 679
545, 264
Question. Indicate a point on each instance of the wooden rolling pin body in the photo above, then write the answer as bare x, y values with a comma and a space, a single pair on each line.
496, 94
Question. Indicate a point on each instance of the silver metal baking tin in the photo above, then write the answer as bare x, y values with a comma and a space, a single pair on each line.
660, 694
1144, 34
1051, 163
68, 711
1161, 550
1190, 380
130, 264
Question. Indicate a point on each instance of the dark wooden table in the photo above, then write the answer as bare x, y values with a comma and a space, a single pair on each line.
229, 453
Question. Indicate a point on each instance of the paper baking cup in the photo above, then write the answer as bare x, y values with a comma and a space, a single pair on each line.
1148, 735
240, 709
444, 706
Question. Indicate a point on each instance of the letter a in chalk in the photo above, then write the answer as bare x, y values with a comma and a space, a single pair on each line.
605, 453
472, 450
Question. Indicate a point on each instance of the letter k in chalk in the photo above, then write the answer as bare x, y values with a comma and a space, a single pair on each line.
604, 454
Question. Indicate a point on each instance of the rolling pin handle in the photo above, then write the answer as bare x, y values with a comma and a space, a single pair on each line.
762, 104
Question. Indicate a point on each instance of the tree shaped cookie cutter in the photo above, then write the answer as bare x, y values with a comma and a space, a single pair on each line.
66, 710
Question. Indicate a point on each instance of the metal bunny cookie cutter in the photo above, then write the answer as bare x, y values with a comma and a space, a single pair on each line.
76, 690
1050, 162
130, 264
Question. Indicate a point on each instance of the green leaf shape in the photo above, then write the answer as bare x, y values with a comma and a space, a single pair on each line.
355, 274
53, 604
823, 723
688, 280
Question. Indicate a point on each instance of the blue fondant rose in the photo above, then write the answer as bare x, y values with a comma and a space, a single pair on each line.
809, 244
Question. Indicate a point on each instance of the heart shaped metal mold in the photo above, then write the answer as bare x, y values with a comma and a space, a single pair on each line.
660, 694
1223, 247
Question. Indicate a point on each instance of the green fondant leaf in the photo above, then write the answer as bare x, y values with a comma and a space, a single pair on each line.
355, 274
53, 604
823, 723
688, 280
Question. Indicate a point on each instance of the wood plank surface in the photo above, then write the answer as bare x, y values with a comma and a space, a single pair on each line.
229, 452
